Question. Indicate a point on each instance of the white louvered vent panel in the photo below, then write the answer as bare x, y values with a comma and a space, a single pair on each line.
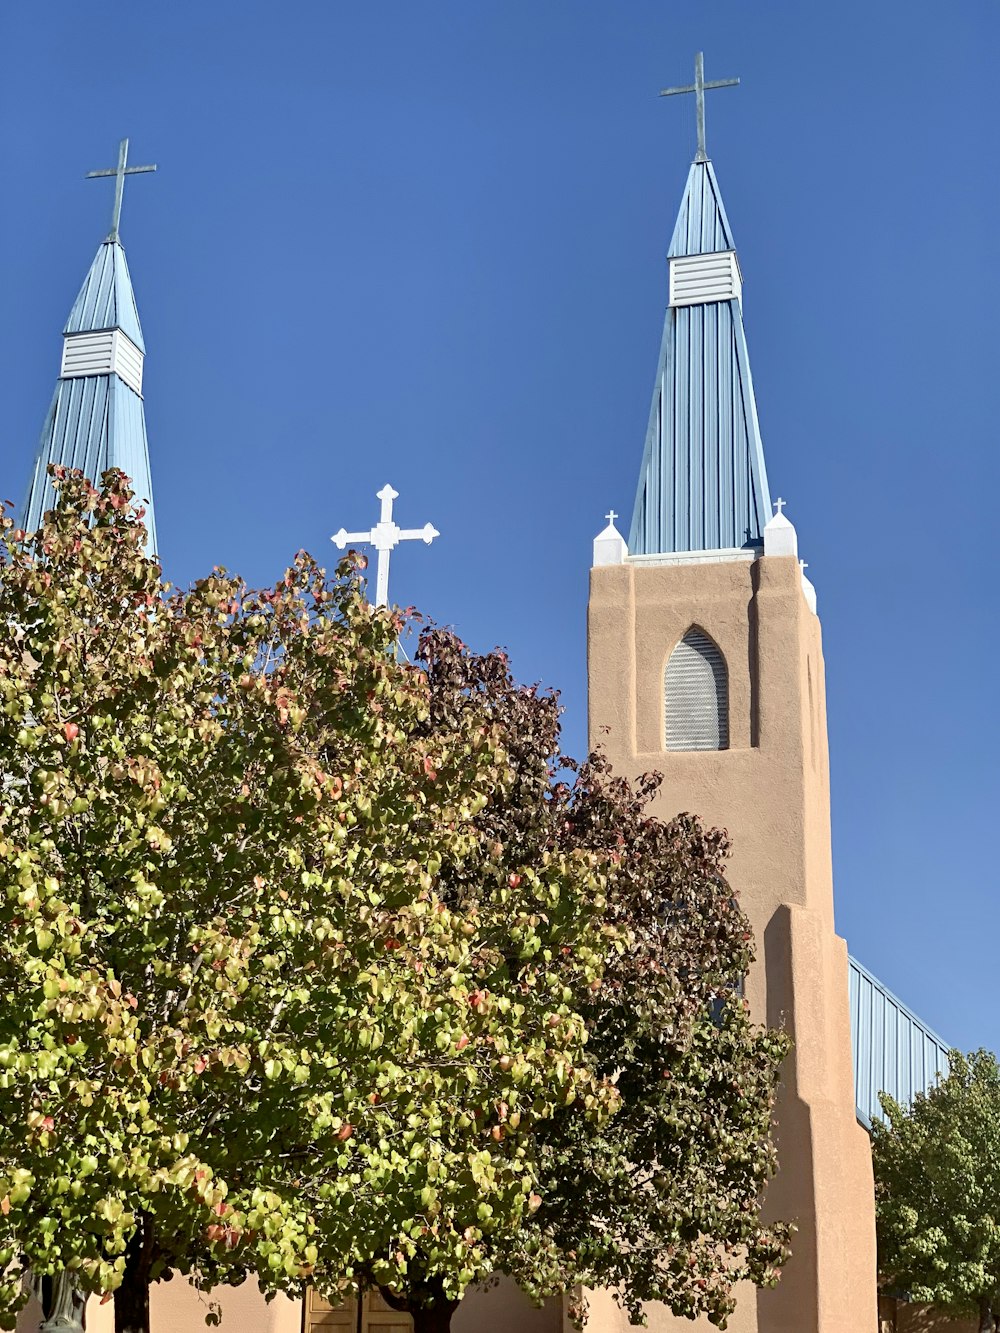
696, 695
698, 279
128, 361
87, 354
108, 352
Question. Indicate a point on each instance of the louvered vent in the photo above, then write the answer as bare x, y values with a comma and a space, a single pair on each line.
698, 279
105, 352
697, 695
88, 354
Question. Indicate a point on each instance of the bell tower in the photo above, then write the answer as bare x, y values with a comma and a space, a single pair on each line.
705, 664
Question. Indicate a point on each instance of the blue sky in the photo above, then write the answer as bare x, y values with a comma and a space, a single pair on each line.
424, 243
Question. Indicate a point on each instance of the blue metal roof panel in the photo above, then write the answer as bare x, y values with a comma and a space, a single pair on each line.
94, 423
894, 1051
106, 299
703, 483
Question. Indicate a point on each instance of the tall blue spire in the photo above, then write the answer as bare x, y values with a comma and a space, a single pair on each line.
96, 419
702, 485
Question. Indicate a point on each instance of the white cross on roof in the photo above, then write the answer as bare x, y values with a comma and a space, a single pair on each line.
384, 536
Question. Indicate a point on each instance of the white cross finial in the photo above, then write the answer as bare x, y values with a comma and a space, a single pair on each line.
384, 536
611, 516
803, 565
779, 505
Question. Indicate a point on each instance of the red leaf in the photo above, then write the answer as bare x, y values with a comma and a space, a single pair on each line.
429, 768
71, 731
345, 1132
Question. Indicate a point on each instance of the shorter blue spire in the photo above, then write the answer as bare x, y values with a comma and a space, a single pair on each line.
96, 420
703, 484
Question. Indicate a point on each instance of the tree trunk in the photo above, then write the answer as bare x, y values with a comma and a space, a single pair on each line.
132, 1297
434, 1318
985, 1317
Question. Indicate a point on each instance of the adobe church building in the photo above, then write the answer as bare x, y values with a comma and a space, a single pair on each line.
705, 662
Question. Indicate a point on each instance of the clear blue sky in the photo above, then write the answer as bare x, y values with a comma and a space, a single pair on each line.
425, 243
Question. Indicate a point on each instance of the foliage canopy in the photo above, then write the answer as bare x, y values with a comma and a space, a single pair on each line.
237, 1016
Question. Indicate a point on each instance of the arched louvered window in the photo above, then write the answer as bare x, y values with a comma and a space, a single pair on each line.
696, 687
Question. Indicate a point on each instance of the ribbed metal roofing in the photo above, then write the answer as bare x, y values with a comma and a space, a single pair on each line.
703, 484
106, 299
96, 421
894, 1051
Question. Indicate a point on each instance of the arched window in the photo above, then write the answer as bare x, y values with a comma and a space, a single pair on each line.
696, 687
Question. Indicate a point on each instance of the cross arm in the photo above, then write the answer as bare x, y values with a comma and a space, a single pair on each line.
693, 87
113, 171
341, 538
425, 534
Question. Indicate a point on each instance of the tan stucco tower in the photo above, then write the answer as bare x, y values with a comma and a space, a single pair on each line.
706, 664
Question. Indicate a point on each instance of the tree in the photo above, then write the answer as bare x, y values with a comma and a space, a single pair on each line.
937, 1192
243, 1013
660, 1200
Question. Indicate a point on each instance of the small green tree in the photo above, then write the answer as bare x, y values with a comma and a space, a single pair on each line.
937, 1192
660, 1200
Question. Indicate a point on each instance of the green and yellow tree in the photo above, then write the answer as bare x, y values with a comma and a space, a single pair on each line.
234, 1003
937, 1192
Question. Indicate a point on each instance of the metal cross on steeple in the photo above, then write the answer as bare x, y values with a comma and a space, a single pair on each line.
384, 536
119, 172
699, 88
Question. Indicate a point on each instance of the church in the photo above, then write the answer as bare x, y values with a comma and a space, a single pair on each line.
705, 663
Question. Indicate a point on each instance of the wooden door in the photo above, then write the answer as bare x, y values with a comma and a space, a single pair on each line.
378, 1318
374, 1316
322, 1317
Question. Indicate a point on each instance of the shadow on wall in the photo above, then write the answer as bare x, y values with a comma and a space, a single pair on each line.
789, 1194
902, 1317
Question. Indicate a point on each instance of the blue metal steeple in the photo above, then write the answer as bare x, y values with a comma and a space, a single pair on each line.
96, 420
702, 486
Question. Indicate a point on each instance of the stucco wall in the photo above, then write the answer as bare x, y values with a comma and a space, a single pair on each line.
770, 790
175, 1307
